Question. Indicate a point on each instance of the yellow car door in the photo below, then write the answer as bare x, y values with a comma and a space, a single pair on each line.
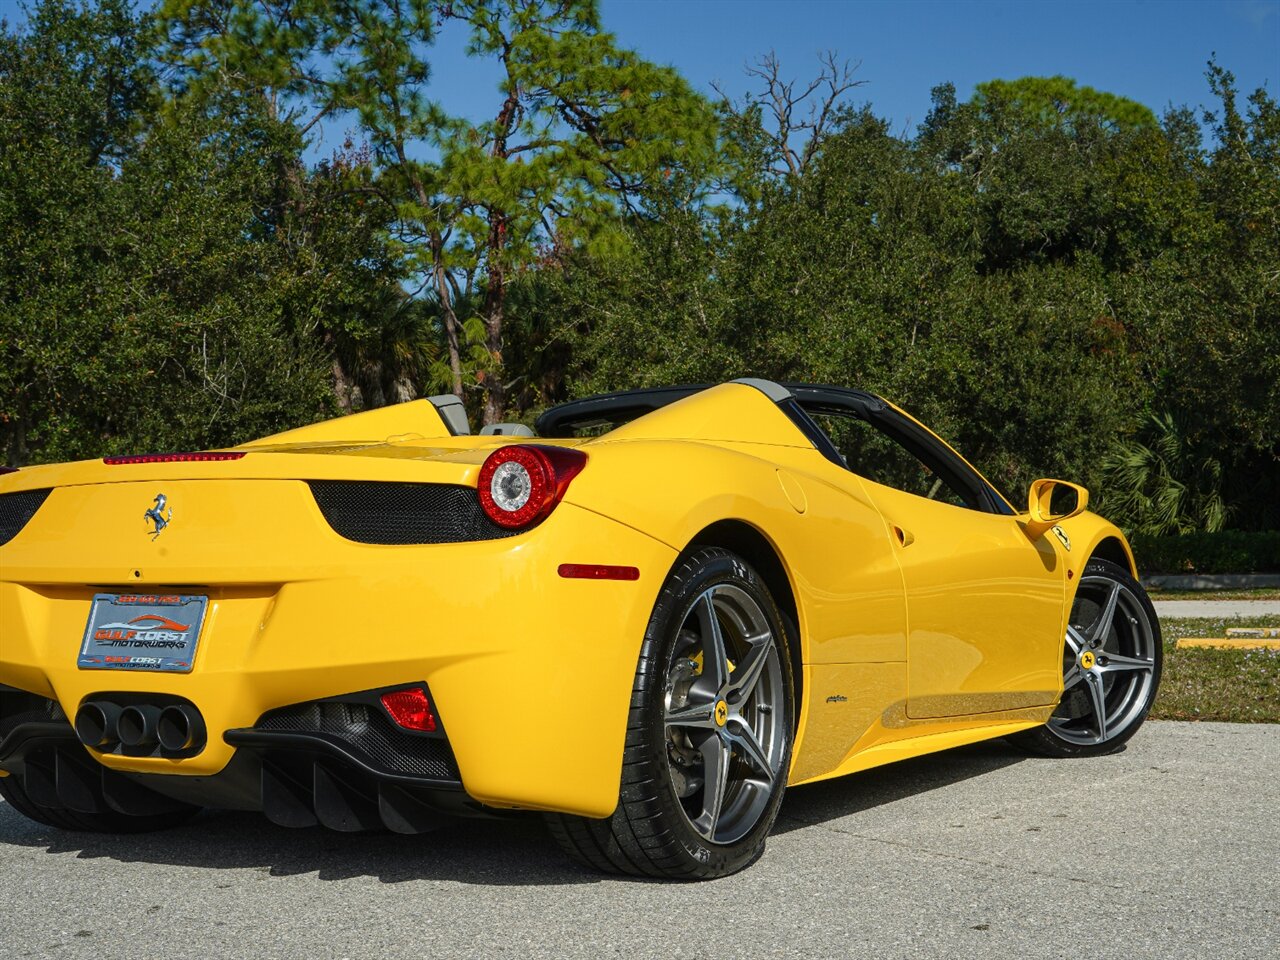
984, 608
984, 600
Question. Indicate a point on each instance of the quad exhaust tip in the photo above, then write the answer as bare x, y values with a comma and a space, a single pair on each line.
96, 724
180, 728
174, 730
137, 725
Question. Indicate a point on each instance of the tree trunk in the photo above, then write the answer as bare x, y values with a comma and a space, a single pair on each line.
447, 312
495, 297
343, 389
440, 276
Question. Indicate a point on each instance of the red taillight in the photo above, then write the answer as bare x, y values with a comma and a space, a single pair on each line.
598, 571
521, 484
203, 456
410, 709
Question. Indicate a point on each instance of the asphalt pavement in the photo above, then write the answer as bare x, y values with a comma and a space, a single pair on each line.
1168, 849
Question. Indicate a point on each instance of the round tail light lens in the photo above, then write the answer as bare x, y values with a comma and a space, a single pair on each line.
521, 484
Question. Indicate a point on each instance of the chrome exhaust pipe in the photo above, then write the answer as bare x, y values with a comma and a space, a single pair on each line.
96, 724
180, 728
137, 725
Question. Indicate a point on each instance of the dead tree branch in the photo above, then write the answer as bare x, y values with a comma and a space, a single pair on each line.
797, 119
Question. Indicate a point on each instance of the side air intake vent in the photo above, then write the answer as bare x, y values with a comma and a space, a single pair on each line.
16, 509
404, 513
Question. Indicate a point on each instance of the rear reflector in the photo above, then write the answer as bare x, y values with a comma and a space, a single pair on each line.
598, 571
410, 709
205, 456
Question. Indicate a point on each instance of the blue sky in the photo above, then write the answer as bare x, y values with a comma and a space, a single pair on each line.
1153, 51
1150, 50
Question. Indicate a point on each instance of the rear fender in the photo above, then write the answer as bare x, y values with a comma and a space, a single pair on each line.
672, 490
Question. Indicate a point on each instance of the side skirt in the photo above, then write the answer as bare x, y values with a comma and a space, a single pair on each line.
892, 751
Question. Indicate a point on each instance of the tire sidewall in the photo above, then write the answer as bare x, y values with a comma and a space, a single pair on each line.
1066, 748
697, 572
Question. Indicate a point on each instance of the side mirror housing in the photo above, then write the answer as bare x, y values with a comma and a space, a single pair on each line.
1052, 501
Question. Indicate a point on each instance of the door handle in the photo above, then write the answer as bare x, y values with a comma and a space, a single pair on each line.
905, 537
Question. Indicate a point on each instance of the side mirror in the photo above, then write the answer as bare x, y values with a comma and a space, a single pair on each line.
1052, 501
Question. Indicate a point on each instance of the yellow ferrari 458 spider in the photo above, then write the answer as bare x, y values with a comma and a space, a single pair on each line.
644, 620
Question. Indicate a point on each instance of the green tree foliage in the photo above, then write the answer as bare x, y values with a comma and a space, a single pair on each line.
169, 276
579, 128
1046, 273
1160, 486
1038, 291
1056, 102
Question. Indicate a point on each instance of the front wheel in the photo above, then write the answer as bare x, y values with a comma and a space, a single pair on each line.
1111, 662
709, 735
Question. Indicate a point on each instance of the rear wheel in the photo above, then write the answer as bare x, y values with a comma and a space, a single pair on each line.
1111, 662
710, 731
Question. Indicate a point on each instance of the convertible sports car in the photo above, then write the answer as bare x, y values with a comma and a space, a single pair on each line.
645, 621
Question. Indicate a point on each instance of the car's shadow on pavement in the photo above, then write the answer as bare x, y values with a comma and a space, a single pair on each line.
514, 852
499, 852
829, 800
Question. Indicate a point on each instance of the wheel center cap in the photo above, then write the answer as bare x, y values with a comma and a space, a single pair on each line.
1087, 660
721, 713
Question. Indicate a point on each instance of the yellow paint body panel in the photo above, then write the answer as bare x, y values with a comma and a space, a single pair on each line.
903, 649
298, 613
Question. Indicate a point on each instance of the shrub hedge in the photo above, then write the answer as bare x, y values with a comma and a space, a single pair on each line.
1228, 551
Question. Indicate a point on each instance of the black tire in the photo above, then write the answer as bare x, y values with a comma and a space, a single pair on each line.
105, 820
1116, 664
652, 833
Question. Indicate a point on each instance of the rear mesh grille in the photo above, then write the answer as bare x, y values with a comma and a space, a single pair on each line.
367, 730
16, 509
404, 513
18, 707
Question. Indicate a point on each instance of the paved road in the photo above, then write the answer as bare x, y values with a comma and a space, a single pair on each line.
1217, 608
1168, 849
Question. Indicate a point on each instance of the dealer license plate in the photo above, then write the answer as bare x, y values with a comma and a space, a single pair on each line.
137, 631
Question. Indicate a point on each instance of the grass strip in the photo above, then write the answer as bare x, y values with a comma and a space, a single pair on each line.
1237, 686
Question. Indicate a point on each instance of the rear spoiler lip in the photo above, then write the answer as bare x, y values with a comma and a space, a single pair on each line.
199, 456
460, 466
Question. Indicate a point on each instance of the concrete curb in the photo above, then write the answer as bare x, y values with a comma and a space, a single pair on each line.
1218, 609
1226, 643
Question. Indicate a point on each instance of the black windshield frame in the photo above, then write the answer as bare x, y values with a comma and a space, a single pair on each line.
970, 485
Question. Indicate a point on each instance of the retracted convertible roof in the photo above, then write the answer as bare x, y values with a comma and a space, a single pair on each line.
610, 410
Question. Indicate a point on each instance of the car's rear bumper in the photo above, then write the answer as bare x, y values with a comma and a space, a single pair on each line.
531, 673
339, 762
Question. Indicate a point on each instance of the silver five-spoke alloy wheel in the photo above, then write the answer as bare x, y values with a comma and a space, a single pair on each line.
1109, 663
709, 729
725, 714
